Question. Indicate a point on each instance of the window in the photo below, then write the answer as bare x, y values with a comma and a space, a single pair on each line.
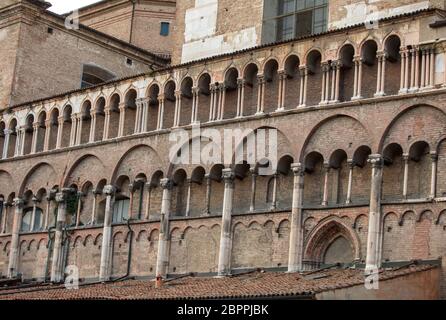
121, 210
288, 19
27, 225
93, 75
165, 28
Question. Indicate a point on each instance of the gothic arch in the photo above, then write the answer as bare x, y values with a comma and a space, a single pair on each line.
324, 234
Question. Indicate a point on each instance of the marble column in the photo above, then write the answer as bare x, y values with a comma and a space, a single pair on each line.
374, 241
15, 239
107, 235
162, 263
224, 260
57, 272
295, 259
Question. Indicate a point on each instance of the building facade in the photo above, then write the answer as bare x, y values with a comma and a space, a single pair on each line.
88, 178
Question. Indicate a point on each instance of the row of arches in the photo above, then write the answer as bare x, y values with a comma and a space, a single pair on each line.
253, 89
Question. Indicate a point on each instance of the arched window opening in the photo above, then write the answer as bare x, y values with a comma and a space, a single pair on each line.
271, 86
251, 90
314, 86
419, 178
54, 127
338, 178
314, 179
347, 77
155, 195
86, 122
94, 75
121, 207
197, 203
292, 83
67, 127
231, 98
285, 183
180, 194
186, 102
29, 132
2, 137
12, 138
204, 98
243, 190
370, 69
392, 80
153, 111
393, 172
169, 105
130, 113
139, 197
41, 132
99, 112
217, 187
339, 251
113, 128
361, 176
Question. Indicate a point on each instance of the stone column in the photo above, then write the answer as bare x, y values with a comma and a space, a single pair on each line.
59, 132
241, 83
162, 263
295, 259
79, 206
383, 73
107, 234
434, 158
95, 192
404, 52
92, 136
177, 119
7, 133
138, 118
254, 174
189, 194
33, 216
282, 90
106, 135
324, 68
406, 175
358, 76
19, 142
122, 110
161, 99
57, 272
208, 179
145, 114
351, 166
36, 126
261, 94
224, 260
49, 198
379, 78
417, 69
274, 199
80, 123
327, 173
338, 67
15, 237
303, 86
4, 212
73, 130
423, 68
48, 128
374, 242
221, 113
131, 187
432, 68
195, 102
150, 188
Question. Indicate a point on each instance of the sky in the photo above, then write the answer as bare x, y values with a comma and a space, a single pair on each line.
64, 6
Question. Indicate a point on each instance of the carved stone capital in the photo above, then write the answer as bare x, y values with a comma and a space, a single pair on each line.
376, 160
109, 190
166, 184
298, 169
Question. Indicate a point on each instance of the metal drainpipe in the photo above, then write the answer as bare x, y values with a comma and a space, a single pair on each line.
129, 255
50, 251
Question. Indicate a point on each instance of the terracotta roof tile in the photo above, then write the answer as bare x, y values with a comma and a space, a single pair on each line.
254, 285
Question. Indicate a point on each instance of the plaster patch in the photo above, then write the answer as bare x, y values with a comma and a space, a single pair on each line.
365, 11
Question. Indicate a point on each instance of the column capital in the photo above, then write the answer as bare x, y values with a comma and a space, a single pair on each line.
96, 191
434, 156
109, 190
7, 132
325, 66
241, 82
18, 202
254, 171
405, 156
196, 90
161, 97
131, 187
228, 175
261, 78
376, 160
122, 106
298, 169
178, 94
166, 184
351, 163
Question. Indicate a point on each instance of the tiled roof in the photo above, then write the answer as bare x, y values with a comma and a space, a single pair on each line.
250, 285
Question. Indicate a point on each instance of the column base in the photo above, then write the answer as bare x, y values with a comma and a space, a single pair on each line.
403, 91
413, 90
260, 113
302, 105
357, 98
280, 110
379, 94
